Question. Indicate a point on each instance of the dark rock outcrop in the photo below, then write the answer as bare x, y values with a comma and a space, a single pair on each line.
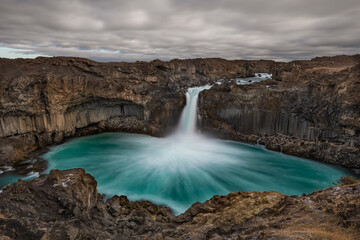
309, 109
46, 100
66, 205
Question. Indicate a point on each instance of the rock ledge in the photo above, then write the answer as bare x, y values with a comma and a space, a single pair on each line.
66, 205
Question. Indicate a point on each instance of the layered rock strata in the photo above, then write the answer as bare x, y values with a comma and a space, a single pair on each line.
66, 205
46, 100
309, 109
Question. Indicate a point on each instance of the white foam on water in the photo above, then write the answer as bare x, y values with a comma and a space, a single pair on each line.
8, 168
186, 167
31, 175
250, 80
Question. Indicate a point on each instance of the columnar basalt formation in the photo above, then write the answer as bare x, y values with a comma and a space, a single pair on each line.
46, 100
309, 109
66, 205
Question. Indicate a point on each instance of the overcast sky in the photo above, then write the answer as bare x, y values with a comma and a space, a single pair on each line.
119, 30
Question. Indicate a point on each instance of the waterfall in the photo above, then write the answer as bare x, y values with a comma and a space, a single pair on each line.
189, 115
185, 167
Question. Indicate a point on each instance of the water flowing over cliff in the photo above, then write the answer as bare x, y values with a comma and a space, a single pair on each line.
188, 120
308, 108
187, 167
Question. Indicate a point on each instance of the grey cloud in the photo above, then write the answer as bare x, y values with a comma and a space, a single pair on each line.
143, 30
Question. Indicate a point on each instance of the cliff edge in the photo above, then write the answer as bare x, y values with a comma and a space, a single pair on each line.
66, 205
309, 108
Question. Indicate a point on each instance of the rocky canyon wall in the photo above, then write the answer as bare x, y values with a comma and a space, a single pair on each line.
46, 100
309, 109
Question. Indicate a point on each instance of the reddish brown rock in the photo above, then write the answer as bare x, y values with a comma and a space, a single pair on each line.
66, 205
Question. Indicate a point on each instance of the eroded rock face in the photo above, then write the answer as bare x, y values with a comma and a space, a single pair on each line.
309, 109
66, 205
46, 100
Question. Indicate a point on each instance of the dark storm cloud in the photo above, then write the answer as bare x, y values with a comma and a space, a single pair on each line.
115, 30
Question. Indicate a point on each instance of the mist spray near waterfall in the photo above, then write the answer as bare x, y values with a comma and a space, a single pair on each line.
186, 166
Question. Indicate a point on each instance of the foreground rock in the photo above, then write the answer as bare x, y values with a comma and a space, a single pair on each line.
66, 205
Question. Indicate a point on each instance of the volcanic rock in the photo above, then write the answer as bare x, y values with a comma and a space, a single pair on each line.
309, 109
44, 101
66, 205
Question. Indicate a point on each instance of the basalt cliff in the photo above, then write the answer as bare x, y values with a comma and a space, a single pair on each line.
309, 108
66, 205
47, 100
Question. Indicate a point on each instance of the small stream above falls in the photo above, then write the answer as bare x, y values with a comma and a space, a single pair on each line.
187, 167
250, 80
